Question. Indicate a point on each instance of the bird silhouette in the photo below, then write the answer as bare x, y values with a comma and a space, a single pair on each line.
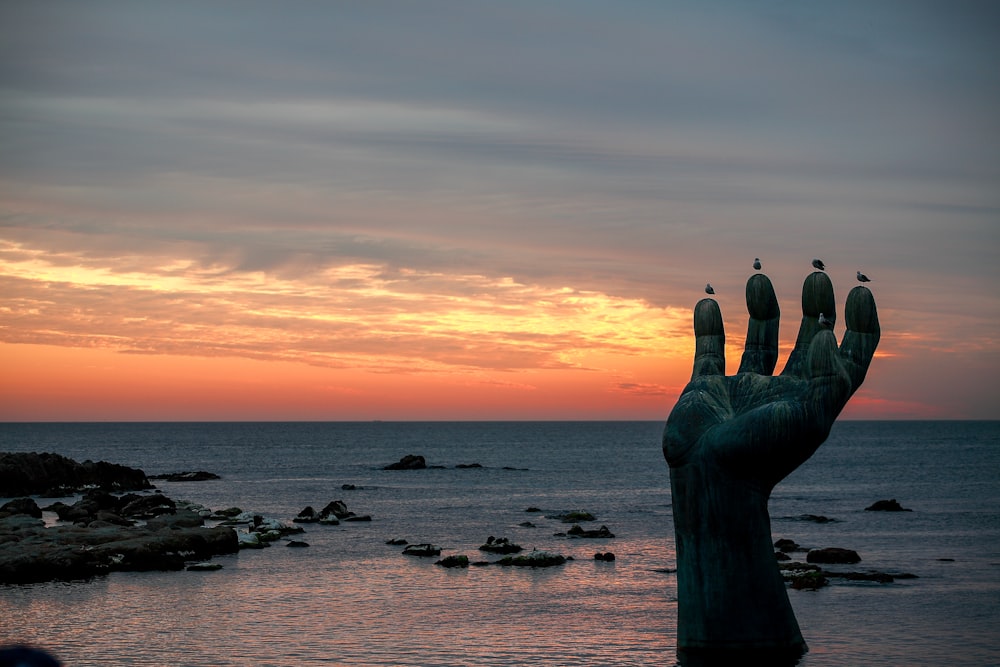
818, 264
709, 289
862, 278
756, 263
825, 322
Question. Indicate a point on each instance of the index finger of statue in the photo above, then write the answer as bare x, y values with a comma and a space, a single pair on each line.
861, 338
817, 299
710, 340
761, 350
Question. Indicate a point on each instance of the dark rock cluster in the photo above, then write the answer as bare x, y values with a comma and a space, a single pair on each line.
190, 476
31, 552
408, 462
500, 545
891, 505
810, 576
332, 514
54, 475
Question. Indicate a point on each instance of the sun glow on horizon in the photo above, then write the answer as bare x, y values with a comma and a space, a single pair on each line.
467, 342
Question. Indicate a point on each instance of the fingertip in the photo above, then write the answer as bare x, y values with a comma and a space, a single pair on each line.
708, 318
762, 303
817, 296
860, 311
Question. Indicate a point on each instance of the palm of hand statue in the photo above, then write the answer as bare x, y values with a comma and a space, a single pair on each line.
730, 439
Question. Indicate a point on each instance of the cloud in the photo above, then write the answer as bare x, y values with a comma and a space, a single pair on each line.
414, 187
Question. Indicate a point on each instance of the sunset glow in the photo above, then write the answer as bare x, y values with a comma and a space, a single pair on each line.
318, 224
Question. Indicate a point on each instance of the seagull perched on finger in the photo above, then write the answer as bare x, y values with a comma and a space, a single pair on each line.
818, 264
708, 289
824, 322
756, 263
862, 278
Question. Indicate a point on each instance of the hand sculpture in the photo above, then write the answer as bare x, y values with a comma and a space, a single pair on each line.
730, 439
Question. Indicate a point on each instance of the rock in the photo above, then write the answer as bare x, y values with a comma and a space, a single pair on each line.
607, 556
408, 462
307, 515
886, 506
145, 507
26, 656
110, 518
397, 541
500, 546
203, 567
227, 513
336, 509
816, 518
349, 487
532, 509
422, 550
463, 466
193, 476
21, 506
454, 561
526, 524
833, 556
180, 519
787, 546
877, 577
810, 580
533, 559
577, 531
358, 517
251, 541
298, 544
574, 517
96, 505
25, 474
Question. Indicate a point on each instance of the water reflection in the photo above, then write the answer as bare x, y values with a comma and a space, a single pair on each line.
730, 657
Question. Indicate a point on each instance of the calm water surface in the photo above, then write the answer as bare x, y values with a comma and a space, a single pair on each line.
350, 599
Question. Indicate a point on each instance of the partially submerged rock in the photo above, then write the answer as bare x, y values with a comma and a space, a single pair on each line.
190, 476
785, 545
422, 550
808, 576
500, 545
599, 533
833, 556
331, 515
203, 567
408, 462
534, 558
575, 516
454, 561
890, 505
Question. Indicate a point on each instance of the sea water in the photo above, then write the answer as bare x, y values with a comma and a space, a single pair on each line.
351, 599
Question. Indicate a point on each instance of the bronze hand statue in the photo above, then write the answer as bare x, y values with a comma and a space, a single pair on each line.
730, 439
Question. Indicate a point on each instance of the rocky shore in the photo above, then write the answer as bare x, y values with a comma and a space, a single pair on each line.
101, 532
110, 528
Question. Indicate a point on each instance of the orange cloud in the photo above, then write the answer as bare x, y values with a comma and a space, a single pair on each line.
113, 340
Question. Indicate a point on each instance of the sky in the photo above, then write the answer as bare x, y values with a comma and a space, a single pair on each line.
502, 210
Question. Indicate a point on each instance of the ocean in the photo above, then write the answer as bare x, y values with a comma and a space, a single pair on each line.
351, 599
